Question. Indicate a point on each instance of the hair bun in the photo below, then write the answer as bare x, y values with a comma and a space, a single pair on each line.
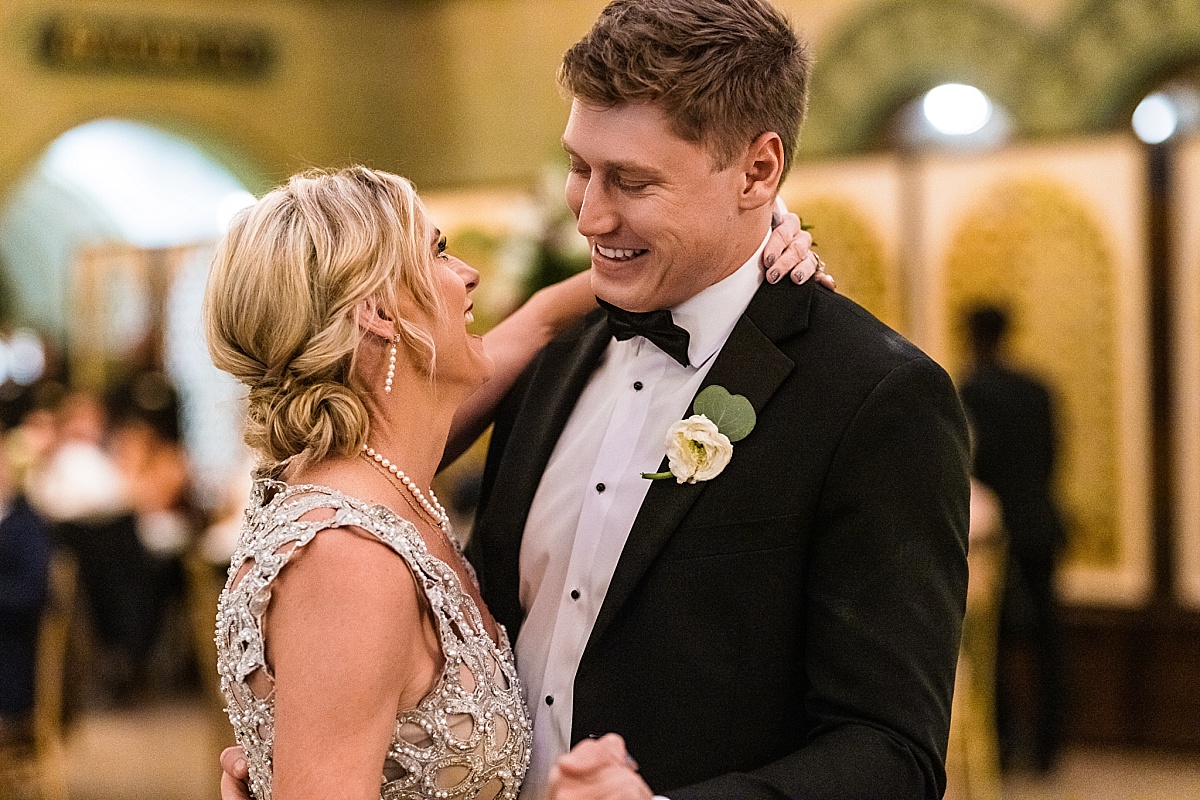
284, 420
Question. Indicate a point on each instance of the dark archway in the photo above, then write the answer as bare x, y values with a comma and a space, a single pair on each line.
895, 51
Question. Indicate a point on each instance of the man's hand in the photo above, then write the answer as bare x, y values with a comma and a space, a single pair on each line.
235, 774
597, 769
789, 251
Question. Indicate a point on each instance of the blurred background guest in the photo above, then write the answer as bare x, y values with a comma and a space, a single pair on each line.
1012, 417
82, 494
145, 447
24, 573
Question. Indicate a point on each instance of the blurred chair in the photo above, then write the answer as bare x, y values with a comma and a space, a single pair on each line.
973, 754
34, 766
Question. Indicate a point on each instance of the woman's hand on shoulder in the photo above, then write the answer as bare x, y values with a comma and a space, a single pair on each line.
789, 251
598, 769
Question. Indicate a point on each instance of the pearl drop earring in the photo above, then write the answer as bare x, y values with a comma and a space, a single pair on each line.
391, 373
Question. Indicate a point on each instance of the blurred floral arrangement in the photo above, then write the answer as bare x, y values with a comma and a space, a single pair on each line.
559, 250
519, 240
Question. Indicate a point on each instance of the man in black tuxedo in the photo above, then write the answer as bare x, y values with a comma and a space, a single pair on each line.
1012, 418
788, 627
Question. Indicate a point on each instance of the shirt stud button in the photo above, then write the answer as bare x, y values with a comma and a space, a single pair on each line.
549, 700
600, 487
574, 594
637, 386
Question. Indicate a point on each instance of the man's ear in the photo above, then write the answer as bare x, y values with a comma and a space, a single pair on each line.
763, 169
372, 319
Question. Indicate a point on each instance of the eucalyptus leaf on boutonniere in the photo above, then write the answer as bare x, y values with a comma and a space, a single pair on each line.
699, 447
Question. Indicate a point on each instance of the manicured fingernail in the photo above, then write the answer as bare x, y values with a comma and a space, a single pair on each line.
240, 764
773, 275
769, 260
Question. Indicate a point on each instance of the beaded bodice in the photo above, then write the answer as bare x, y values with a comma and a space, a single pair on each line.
467, 739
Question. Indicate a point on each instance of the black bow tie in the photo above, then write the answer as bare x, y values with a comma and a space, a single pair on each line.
654, 325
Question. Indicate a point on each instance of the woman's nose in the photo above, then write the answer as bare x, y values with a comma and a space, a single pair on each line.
469, 275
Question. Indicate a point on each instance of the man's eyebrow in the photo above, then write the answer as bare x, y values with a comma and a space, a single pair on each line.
624, 167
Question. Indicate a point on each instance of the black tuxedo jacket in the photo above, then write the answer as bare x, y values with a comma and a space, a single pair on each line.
789, 628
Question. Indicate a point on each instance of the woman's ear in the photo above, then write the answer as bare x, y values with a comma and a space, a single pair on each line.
372, 319
763, 167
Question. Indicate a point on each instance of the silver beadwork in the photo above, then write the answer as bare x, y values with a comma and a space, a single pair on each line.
272, 533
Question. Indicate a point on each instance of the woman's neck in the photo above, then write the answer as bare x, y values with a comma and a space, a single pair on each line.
410, 424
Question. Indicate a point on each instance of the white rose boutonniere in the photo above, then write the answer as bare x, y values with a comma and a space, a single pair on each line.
699, 447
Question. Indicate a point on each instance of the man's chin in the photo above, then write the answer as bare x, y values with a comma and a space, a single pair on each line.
621, 295
626, 302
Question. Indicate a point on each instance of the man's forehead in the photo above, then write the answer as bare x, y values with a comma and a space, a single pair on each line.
633, 117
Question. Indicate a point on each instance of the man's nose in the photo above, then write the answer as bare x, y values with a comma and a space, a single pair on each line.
597, 212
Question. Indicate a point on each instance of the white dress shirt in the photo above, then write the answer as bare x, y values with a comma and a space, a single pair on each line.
590, 494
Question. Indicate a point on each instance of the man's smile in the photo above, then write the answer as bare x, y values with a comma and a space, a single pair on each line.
617, 254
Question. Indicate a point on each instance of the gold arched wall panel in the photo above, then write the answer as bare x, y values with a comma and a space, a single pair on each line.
1057, 231
1032, 246
846, 238
854, 210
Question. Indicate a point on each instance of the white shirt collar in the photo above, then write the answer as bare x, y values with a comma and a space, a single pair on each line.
710, 316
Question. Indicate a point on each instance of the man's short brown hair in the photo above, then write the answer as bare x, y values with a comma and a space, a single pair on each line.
723, 71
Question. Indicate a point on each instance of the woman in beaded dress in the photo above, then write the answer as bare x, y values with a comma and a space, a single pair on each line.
333, 300
384, 675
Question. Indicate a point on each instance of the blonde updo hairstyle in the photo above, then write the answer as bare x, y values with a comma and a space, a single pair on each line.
280, 305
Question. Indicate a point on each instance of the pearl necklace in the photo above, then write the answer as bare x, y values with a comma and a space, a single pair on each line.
432, 507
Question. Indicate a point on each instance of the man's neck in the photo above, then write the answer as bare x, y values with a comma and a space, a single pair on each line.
750, 237
751, 255
710, 315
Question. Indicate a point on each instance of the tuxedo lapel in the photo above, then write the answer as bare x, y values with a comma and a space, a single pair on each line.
749, 364
560, 374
